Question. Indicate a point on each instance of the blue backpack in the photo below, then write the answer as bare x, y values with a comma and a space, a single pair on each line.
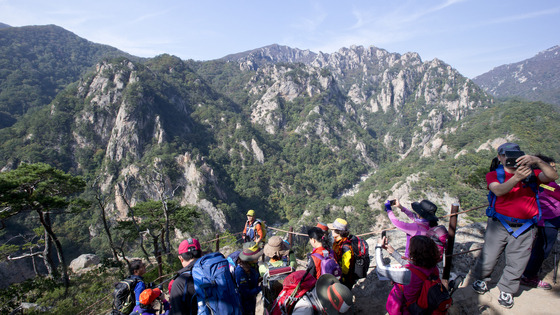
526, 223
216, 292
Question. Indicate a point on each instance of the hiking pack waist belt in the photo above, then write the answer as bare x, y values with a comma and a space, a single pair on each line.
511, 224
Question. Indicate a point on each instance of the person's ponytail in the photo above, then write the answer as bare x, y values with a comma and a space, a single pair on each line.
494, 165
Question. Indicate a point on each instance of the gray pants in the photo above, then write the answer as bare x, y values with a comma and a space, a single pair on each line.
517, 253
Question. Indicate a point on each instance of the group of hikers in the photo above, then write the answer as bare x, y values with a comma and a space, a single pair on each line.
524, 216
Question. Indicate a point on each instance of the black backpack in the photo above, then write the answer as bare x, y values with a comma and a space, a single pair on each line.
361, 255
124, 299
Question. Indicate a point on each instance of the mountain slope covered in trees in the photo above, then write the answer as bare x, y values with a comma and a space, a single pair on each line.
37, 62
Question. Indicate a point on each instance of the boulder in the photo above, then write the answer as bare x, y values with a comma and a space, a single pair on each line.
84, 261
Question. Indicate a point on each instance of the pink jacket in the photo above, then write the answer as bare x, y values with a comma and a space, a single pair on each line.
418, 227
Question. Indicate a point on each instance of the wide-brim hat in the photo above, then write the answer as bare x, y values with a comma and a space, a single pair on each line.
426, 209
276, 247
338, 224
250, 254
335, 297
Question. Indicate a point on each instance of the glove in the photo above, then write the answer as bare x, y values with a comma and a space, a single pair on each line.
388, 205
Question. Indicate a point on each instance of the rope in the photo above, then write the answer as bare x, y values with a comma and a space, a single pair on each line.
295, 233
465, 252
453, 214
221, 237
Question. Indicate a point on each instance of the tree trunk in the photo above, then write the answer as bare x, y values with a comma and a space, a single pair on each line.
45, 220
106, 227
51, 270
135, 223
157, 254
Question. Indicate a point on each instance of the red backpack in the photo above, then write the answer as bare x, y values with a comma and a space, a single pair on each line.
434, 297
293, 289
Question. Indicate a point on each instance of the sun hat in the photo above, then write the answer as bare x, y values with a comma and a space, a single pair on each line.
339, 224
426, 209
322, 226
149, 295
189, 244
251, 213
250, 254
276, 247
508, 146
335, 297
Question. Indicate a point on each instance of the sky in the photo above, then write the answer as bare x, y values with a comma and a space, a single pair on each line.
473, 36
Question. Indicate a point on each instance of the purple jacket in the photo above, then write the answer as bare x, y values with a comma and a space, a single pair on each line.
550, 202
418, 227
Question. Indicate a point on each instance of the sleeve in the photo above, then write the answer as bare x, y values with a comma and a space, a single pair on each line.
408, 228
409, 213
346, 259
176, 295
399, 258
397, 274
491, 177
311, 266
245, 228
258, 229
293, 262
554, 194
263, 268
140, 286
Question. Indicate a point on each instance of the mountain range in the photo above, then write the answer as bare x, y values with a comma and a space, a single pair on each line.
295, 135
536, 78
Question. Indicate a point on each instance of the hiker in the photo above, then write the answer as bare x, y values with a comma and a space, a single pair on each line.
342, 248
147, 304
127, 292
328, 296
513, 205
137, 270
423, 220
547, 232
247, 279
321, 251
254, 229
279, 254
182, 292
407, 286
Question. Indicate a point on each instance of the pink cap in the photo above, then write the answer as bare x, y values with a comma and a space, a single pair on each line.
189, 245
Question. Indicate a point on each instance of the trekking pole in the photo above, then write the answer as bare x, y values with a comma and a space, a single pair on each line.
555, 267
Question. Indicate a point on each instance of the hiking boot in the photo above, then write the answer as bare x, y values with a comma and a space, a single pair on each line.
534, 282
506, 300
454, 284
480, 287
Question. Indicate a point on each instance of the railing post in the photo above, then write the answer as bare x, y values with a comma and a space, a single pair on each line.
218, 242
290, 236
450, 244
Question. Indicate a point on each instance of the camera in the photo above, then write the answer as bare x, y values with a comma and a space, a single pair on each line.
511, 157
393, 202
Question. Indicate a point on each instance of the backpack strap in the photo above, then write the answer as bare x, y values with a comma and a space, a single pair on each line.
491, 210
420, 275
